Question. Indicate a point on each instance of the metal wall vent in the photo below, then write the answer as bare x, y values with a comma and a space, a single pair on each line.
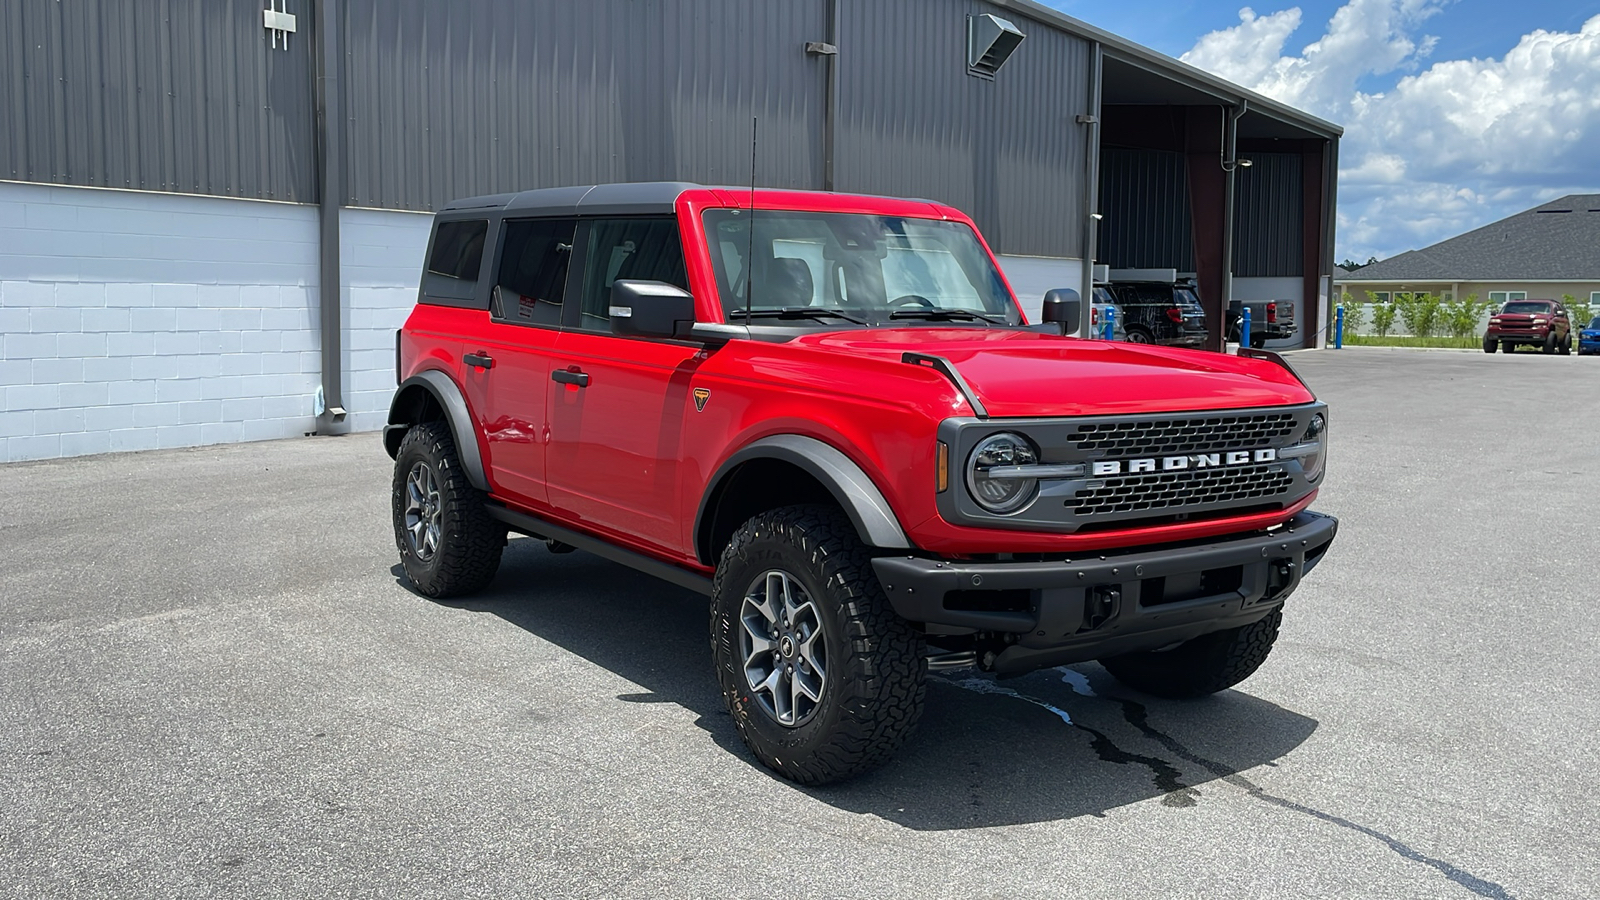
990, 42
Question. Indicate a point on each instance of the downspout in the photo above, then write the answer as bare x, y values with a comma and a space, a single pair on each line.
330, 148
830, 107
1330, 196
1230, 165
1091, 173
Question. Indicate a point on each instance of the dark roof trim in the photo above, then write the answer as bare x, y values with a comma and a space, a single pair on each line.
1203, 81
629, 199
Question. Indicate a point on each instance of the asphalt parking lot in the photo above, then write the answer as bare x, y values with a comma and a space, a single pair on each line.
212, 683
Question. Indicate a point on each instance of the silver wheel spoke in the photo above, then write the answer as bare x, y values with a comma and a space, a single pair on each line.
783, 648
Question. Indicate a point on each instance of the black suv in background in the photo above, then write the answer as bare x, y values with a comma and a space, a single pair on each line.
1160, 312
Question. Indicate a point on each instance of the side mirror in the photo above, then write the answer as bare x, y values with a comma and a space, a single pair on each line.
650, 309
1063, 307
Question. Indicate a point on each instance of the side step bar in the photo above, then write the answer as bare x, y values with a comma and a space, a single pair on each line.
529, 525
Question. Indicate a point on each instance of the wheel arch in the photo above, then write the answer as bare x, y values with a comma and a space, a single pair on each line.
430, 396
784, 470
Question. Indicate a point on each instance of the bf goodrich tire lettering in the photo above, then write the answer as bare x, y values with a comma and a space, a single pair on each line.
871, 697
449, 546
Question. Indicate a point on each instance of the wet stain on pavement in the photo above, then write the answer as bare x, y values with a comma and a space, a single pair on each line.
1169, 780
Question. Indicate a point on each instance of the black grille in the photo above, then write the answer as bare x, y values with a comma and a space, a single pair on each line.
1125, 494
1160, 437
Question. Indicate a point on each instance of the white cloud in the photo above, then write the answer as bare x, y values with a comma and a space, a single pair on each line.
1455, 145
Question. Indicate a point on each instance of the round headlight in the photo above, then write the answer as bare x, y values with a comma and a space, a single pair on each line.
1316, 432
1003, 493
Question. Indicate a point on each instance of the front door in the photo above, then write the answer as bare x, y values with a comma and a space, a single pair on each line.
507, 368
619, 404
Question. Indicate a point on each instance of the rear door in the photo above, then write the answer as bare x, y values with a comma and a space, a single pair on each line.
507, 364
618, 404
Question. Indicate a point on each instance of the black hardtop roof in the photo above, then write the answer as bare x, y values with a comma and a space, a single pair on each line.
624, 199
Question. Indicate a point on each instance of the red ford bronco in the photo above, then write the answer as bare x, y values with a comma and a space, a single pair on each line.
828, 413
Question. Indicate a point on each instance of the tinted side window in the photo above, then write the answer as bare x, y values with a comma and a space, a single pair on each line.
454, 259
642, 249
533, 271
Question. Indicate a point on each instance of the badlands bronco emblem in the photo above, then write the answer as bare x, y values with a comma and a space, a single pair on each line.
1179, 463
701, 395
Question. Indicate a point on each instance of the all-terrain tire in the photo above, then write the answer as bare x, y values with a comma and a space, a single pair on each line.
1205, 665
875, 666
464, 553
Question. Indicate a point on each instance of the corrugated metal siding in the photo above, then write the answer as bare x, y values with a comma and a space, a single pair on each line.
452, 100
1144, 205
1268, 210
913, 123
175, 95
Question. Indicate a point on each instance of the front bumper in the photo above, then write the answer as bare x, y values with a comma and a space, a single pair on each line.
1063, 611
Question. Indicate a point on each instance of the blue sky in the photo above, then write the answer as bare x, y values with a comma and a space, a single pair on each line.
1456, 112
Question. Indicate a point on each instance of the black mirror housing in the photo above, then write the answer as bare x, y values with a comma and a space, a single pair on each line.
650, 309
1062, 307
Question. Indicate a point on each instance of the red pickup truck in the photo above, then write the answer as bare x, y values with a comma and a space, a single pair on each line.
828, 413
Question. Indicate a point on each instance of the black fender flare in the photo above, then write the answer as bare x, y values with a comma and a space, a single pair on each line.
869, 512
456, 414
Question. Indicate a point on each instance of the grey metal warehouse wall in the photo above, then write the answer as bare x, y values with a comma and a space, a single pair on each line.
1009, 151
452, 100
1268, 210
445, 100
176, 95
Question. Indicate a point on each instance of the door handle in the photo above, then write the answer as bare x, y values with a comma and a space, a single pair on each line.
570, 376
480, 360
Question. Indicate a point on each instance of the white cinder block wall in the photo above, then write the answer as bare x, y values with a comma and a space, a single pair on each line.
132, 320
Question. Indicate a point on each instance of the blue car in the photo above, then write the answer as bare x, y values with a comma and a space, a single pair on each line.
1589, 338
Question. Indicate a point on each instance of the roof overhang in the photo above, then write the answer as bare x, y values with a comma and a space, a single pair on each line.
1136, 75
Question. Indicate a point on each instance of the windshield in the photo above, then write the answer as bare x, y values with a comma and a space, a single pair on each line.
1595, 322
1527, 306
874, 269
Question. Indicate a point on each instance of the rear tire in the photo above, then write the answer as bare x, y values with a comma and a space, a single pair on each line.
1508, 347
823, 679
1566, 345
449, 546
1139, 336
1205, 665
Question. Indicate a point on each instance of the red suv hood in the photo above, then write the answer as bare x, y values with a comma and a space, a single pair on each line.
1024, 373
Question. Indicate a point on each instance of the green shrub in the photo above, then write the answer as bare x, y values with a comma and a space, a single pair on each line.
1355, 316
1420, 312
1461, 316
1383, 318
1580, 313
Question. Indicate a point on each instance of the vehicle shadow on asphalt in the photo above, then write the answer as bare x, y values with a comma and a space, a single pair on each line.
1056, 744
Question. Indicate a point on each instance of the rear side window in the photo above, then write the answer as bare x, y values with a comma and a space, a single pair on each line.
638, 249
454, 259
532, 281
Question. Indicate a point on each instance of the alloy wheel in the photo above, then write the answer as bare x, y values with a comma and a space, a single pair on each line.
423, 511
784, 651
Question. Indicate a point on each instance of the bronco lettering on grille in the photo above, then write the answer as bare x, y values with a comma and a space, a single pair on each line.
1179, 463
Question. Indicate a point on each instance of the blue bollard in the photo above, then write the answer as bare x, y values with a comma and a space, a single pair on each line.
1338, 327
1111, 323
1244, 328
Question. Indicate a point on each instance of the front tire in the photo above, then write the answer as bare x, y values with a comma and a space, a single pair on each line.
1205, 665
449, 546
823, 679
1490, 344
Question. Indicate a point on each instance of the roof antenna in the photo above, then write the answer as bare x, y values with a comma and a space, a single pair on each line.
750, 244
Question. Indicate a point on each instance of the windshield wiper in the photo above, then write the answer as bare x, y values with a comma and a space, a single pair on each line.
945, 315
797, 312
